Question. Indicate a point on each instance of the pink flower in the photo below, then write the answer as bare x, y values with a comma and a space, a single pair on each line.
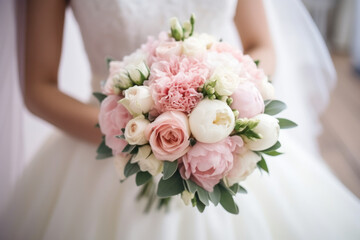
174, 83
114, 68
223, 47
150, 46
169, 135
207, 163
247, 100
165, 50
112, 118
251, 71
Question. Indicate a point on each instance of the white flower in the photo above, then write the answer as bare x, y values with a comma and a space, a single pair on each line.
267, 90
134, 130
268, 128
206, 39
176, 29
186, 196
138, 73
244, 164
120, 162
224, 60
122, 81
211, 121
147, 161
135, 58
226, 81
194, 47
137, 100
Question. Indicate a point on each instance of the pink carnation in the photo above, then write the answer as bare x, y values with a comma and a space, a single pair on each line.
207, 163
174, 83
112, 118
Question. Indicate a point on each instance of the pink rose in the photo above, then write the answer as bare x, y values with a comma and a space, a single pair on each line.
174, 83
247, 100
114, 68
169, 135
207, 163
112, 118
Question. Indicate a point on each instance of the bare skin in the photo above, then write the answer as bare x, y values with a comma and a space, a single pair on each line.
44, 30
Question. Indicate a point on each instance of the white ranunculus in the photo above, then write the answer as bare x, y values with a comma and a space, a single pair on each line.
268, 128
226, 81
211, 121
194, 47
267, 90
186, 196
244, 164
134, 130
137, 100
120, 162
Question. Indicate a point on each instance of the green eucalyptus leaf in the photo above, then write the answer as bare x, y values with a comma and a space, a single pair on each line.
103, 151
131, 168
142, 178
128, 148
235, 187
203, 195
169, 169
241, 189
108, 60
99, 96
215, 195
273, 153
274, 147
170, 187
274, 107
227, 201
191, 186
262, 165
286, 123
200, 206
257, 62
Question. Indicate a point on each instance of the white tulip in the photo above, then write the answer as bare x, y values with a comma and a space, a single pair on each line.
226, 81
194, 47
268, 128
120, 162
211, 121
267, 90
186, 196
137, 100
134, 130
244, 164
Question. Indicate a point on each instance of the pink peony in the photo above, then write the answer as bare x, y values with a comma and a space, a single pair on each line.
174, 83
112, 118
251, 71
247, 100
222, 47
114, 68
169, 136
207, 163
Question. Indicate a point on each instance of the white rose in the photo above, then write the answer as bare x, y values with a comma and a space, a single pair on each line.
244, 164
120, 162
138, 73
194, 47
226, 81
147, 161
268, 128
211, 121
267, 90
186, 196
137, 100
134, 130
122, 80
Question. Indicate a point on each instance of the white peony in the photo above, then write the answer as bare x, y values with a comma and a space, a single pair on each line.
268, 128
226, 81
120, 162
267, 90
134, 130
147, 161
244, 164
194, 47
211, 121
137, 100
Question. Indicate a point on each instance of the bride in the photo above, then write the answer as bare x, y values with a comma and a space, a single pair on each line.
66, 194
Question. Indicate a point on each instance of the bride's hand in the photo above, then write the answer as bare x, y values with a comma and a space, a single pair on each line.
44, 30
250, 20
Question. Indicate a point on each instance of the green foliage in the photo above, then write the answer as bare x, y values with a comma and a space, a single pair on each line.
257, 62
262, 165
99, 96
129, 148
274, 107
286, 123
103, 151
108, 61
170, 187
131, 168
169, 169
215, 195
227, 201
202, 193
142, 178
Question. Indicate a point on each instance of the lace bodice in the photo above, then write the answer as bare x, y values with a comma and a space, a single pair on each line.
114, 28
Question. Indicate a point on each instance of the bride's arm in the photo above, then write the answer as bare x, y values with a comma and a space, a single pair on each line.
250, 20
44, 30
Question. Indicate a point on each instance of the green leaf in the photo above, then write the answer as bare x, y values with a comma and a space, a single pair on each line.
273, 153
274, 147
103, 151
262, 165
200, 206
97, 125
169, 169
191, 186
192, 141
215, 195
286, 123
222, 183
108, 60
235, 187
142, 178
257, 62
120, 136
241, 189
99, 96
227, 201
274, 107
170, 187
131, 168
128, 148
202, 193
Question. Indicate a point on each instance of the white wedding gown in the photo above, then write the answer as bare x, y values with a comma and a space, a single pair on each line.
66, 194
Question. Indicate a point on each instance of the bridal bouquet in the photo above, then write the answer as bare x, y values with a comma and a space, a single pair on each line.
193, 111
